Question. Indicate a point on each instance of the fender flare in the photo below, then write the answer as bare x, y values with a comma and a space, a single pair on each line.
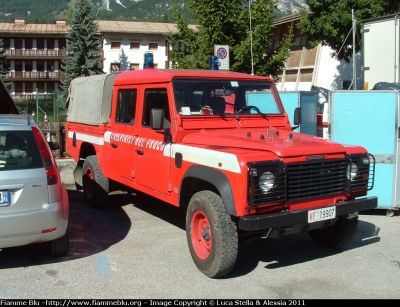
218, 179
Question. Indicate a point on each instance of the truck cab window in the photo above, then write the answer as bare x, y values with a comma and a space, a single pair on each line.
156, 99
126, 106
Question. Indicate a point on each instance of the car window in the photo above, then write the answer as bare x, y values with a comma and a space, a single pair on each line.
18, 150
126, 106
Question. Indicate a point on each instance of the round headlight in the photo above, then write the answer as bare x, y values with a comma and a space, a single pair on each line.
352, 171
267, 181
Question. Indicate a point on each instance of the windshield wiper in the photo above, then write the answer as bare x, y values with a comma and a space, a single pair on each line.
249, 108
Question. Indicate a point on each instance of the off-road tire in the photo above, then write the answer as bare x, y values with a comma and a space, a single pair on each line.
95, 185
60, 246
211, 234
337, 235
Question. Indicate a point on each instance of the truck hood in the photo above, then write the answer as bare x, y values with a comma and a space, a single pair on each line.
282, 143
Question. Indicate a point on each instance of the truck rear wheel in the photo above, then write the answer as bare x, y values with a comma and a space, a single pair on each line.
211, 234
337, 235
95, 184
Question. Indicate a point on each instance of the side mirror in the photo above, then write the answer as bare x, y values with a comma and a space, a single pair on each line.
297, 118
156, 119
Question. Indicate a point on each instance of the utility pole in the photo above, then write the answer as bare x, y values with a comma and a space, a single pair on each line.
251, 43
354, 50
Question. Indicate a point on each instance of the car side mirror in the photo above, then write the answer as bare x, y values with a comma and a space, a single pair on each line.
296, 118
156, 119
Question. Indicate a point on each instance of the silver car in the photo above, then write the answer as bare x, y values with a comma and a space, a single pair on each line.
34, 203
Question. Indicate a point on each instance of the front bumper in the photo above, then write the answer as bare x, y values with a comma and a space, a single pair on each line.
290, 218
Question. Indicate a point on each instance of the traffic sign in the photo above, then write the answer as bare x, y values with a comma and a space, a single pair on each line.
222, 52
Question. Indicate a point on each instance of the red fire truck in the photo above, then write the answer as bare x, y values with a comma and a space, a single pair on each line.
220, 144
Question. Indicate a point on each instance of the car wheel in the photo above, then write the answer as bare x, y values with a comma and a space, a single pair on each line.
211, 234
95, 184
60, 246
337, 235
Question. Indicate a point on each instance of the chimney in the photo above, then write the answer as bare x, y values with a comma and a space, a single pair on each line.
61, 21
20, 20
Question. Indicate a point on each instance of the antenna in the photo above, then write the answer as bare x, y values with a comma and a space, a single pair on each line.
251, 43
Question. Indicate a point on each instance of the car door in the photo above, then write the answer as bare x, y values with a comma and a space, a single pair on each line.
152, 147
124, 132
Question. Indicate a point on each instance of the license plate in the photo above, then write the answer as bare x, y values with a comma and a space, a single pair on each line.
4, 198
321, 214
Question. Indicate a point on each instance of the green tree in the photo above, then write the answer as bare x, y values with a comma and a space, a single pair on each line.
3, 70
228, 23
258, 59
330, 22
84, 45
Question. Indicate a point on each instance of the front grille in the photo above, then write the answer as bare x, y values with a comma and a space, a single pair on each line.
311, 179
316, 178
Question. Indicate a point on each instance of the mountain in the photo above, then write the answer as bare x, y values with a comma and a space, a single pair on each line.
46, 11
291, 6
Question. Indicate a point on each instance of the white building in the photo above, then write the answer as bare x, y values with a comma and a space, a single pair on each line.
312, 66
125, 42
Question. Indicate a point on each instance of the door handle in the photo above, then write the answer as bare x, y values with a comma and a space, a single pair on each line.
139, 152
113, 145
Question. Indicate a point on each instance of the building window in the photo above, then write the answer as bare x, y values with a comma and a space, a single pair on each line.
18, 43
62, 44
40, 65
134, 66
115, 45
306, 75
310, 56
40, 43
135, 45
41, 87
291, 76
50, 43
7, 43
18, 65
115, 67
28, 66
28, 43
153, 46
29, 87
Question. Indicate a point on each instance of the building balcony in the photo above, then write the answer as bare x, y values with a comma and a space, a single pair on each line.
13, 54
34, 75
18, 97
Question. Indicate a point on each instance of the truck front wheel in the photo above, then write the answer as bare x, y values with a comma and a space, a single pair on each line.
211, 234
95, 184
337, 235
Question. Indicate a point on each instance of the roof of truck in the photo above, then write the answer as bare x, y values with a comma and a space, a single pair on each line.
153, 75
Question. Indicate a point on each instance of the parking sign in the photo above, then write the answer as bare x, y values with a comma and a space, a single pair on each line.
222, 52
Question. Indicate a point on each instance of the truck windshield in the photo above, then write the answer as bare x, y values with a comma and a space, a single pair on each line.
225, 97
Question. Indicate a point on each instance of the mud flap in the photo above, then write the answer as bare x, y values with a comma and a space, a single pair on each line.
78, 177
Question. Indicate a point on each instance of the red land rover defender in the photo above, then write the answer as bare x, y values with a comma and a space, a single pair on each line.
220, 144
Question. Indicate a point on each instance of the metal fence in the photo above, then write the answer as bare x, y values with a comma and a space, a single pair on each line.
55, 132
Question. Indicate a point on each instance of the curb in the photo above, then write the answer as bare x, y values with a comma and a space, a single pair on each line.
66, 168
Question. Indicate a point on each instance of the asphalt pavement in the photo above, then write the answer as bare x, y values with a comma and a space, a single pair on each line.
136, 248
